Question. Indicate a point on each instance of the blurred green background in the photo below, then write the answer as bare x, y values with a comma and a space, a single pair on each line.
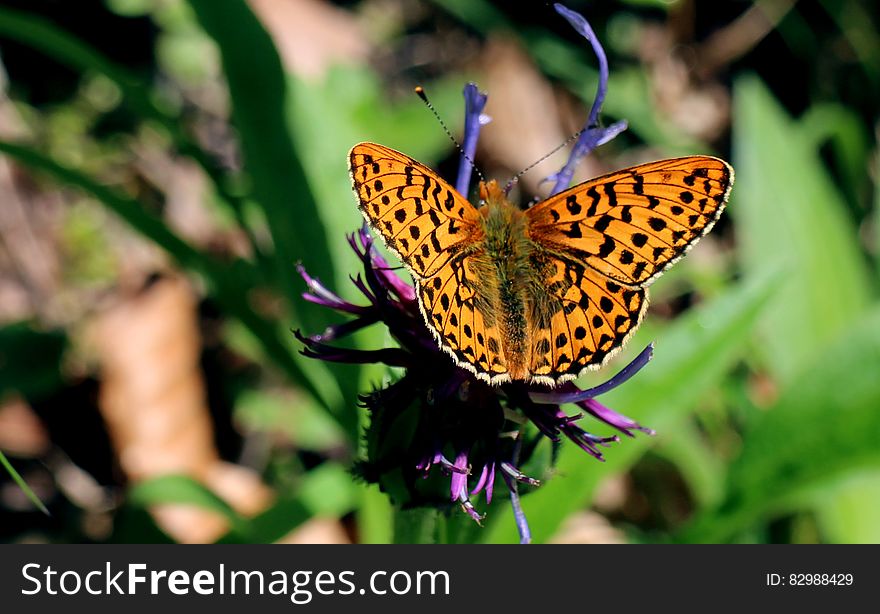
164, 164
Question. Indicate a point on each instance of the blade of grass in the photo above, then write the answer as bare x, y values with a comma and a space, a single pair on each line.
260, 104
22, 484
691, 357
285, 515
182, 489
374, 516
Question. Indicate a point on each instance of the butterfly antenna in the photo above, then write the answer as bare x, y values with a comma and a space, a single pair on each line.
420, 92
516, 177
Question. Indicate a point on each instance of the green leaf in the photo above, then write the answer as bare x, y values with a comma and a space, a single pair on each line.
843, 129
785, 204
182, 489
691, 357
785, 207
415, 526
285, 515
825, 427
853, 517
260, 106
22, 484
30, 360
374, 516
328, 490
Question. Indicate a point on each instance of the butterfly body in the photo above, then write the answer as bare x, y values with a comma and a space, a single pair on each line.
501, 265
546, 293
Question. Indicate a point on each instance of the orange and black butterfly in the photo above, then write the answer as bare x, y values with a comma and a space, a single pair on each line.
546, 293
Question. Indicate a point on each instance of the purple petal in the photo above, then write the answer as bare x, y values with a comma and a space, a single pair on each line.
481, 481
474, 102
518, 475
346, 328
571, 394
612, 418
468, 507
490, 483
321, 295
458, 485
522, 525
393, 357
592, 135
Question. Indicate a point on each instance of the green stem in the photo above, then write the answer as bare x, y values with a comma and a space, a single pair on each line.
415, 526
22, 484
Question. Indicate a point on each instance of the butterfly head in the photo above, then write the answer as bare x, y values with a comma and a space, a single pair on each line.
491, 192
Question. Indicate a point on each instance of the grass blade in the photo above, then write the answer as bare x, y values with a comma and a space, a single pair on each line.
260, 101
22, 484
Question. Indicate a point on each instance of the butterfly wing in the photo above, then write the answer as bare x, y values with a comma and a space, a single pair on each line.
580, 320
422, 219
460, 319
633, 224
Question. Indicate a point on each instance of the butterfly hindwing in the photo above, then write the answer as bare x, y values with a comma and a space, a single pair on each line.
421, 217
590, 319
633, 224
451, 307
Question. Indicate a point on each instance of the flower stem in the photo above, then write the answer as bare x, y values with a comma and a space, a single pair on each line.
415, 526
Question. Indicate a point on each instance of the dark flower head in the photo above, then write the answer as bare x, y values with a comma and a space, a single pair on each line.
438, 428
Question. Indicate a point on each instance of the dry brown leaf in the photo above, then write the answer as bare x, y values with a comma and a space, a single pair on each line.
317, 531
311, 35
21, 432
588, 528
153, 401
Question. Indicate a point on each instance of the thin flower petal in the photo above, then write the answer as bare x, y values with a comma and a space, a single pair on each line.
609, 416
490, 483
571, 394
346, 328
518, 475
468, 507
474, 102
592, 135
481, 481
522, 525
458, 484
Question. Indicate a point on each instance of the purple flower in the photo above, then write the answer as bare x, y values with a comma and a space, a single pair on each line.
437, 435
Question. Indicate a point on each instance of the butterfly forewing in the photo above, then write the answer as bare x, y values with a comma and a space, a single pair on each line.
632, 224
420, 217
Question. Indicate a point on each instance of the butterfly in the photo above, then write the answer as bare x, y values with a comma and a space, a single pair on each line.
542, 294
